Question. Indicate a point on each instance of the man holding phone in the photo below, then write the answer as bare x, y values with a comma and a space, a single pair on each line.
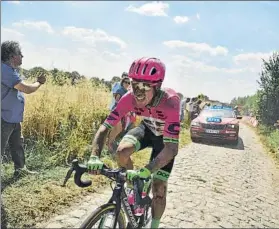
12, 106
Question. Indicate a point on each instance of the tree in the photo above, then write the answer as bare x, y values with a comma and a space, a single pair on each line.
58, 77
36, 71
75, 77
203, 97
268, 96
115, 79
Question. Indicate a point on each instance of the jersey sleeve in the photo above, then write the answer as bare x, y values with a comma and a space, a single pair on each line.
10, 77
172, 123
123, 106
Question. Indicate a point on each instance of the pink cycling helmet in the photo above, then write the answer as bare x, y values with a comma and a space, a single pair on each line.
148, 69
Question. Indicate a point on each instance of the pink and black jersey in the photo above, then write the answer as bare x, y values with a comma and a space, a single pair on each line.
162, 118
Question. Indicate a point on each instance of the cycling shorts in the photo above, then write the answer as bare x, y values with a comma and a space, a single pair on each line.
142, 137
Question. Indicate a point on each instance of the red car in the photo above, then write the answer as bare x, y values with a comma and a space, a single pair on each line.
216, 122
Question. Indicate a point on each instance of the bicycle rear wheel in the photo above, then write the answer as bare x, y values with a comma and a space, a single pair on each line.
101, 214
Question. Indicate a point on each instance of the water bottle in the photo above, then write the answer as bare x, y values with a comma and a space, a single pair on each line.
131, 198
138, 210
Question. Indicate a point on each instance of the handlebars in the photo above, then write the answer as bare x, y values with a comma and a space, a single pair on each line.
80, 169
115, 174
119, 175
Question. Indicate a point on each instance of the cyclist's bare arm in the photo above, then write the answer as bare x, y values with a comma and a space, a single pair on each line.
99, 140
121, 109
171, 136
167, 154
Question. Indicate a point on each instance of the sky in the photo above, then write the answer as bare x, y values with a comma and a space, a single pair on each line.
214, 48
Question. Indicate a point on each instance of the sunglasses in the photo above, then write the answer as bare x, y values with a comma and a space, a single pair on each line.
127, 82
142, 86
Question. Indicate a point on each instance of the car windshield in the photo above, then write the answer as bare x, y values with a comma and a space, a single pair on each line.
218, 113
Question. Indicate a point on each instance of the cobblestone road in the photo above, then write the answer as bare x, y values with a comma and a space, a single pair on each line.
211, 186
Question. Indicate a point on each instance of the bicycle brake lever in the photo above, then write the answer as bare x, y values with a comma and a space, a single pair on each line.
68, 175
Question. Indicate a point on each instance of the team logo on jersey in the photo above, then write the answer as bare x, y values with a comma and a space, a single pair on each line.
161, 115
155, 125
174, 128
138, 111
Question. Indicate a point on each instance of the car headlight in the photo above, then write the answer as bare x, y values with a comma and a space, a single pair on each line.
195, 124
232, 126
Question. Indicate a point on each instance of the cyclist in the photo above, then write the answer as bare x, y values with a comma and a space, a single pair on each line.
159, 129
182, 106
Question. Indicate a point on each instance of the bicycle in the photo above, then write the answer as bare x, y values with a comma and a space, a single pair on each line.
118, 200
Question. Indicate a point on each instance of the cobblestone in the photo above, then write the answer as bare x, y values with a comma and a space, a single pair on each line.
210, 186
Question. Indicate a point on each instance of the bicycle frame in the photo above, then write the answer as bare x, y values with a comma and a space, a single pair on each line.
120, 197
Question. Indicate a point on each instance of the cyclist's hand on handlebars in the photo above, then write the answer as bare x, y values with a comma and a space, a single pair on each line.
94, 165
142, 173
131, 174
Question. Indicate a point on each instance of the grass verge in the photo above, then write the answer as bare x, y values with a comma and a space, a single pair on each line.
34, 199
269, 137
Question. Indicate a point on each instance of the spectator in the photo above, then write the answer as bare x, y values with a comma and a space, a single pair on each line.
182, 106
198, 107
114, 89
236, 111
130, 118
187, 99
194, 108
12, 107
122, 89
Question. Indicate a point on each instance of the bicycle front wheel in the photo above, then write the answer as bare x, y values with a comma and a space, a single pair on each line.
103, 217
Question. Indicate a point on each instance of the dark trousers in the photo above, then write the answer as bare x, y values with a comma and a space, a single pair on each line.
11, 133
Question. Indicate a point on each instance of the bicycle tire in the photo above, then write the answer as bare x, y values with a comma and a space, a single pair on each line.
100, 211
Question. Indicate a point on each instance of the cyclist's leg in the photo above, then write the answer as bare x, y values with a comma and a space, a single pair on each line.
159, 185
133, 141
118, 132
159, 190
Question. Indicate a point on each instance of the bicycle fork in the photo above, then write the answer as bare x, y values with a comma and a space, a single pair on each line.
116, 199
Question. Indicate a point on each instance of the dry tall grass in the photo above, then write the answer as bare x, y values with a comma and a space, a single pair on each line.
65, 118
